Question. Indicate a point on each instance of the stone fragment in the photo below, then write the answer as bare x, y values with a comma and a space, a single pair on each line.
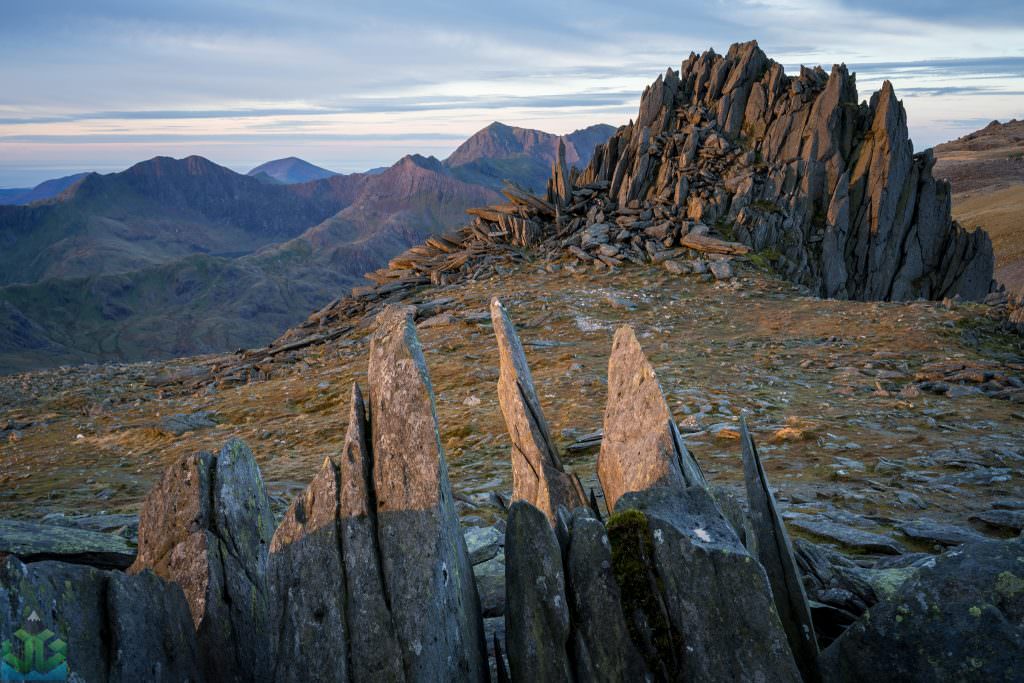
959, 619
482, 543
694, 596
856, 539
937, 532
537, 611
1008, 520
207, 526
722, 270
641, 447
602, 649
32, 542
423, 555
537, 473
306, 585
79, 612
775, 552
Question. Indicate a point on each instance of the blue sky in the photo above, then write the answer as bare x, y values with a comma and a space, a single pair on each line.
99, 85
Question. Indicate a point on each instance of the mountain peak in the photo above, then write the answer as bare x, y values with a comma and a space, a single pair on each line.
290, 170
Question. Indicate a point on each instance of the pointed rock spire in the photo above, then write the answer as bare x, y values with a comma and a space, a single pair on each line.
775, 552
642, 447
375, 652
424, 561
537, 473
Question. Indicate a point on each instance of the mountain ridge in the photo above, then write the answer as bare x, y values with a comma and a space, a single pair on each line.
290, 170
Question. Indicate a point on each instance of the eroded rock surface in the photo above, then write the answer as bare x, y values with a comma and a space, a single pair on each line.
537, 473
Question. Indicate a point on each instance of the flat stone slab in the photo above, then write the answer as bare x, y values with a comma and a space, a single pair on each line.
856, 539
34, 542
937, 532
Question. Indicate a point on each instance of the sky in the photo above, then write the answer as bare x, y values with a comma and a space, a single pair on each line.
100, 85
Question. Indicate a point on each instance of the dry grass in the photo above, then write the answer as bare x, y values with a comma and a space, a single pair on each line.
1001, 214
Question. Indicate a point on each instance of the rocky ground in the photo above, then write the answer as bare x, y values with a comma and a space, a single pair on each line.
880, 424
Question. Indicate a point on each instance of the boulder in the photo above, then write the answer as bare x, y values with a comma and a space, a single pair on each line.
33, 542
86, 624
537, 473
775, 552
641, 446
207, 526
960, 619
699, 607
423, 556
537, 611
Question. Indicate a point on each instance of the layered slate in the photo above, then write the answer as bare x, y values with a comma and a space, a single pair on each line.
537, 473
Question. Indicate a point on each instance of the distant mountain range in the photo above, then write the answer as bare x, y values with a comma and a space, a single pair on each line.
177, 257
290, 170
44, 190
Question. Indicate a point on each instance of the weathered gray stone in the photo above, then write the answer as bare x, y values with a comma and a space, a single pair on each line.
693, 593
537, 611
207, 526
641, 446
115, 627
424, 560
32, 542
601, 647
375, 652
1009, 520
482, 543
307, 586
537, 473
856, 539
961, 619
775, 552
936, 532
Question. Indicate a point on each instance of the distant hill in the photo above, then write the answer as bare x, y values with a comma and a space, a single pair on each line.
175, 257
44, 190
500, 152
291, 170
986, 170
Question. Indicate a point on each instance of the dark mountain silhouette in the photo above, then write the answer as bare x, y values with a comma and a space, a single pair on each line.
44, 190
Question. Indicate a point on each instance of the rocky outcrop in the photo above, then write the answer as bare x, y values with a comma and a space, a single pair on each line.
537, 473
775, 552
423, 554
86, 624
642, 446
34, 542
207, 526
962, 619
728, 154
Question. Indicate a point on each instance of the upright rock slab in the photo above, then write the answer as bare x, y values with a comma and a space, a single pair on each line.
707, 609
537, 611
775, 553
207, 526
424, 561
93, 625
641, 447
537, 473
307, 586
375, 652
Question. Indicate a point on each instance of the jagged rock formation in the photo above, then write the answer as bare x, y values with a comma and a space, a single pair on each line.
537, 473
113, 627
423, 556
642, 447
828, 189
207, 526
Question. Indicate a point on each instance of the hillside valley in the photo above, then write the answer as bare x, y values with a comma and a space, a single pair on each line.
177, 257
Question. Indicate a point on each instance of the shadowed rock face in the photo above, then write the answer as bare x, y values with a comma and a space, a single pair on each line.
89, 609
537, 473
641, 447
794, 164
423, 554
775, 552
207, 526
713, 601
